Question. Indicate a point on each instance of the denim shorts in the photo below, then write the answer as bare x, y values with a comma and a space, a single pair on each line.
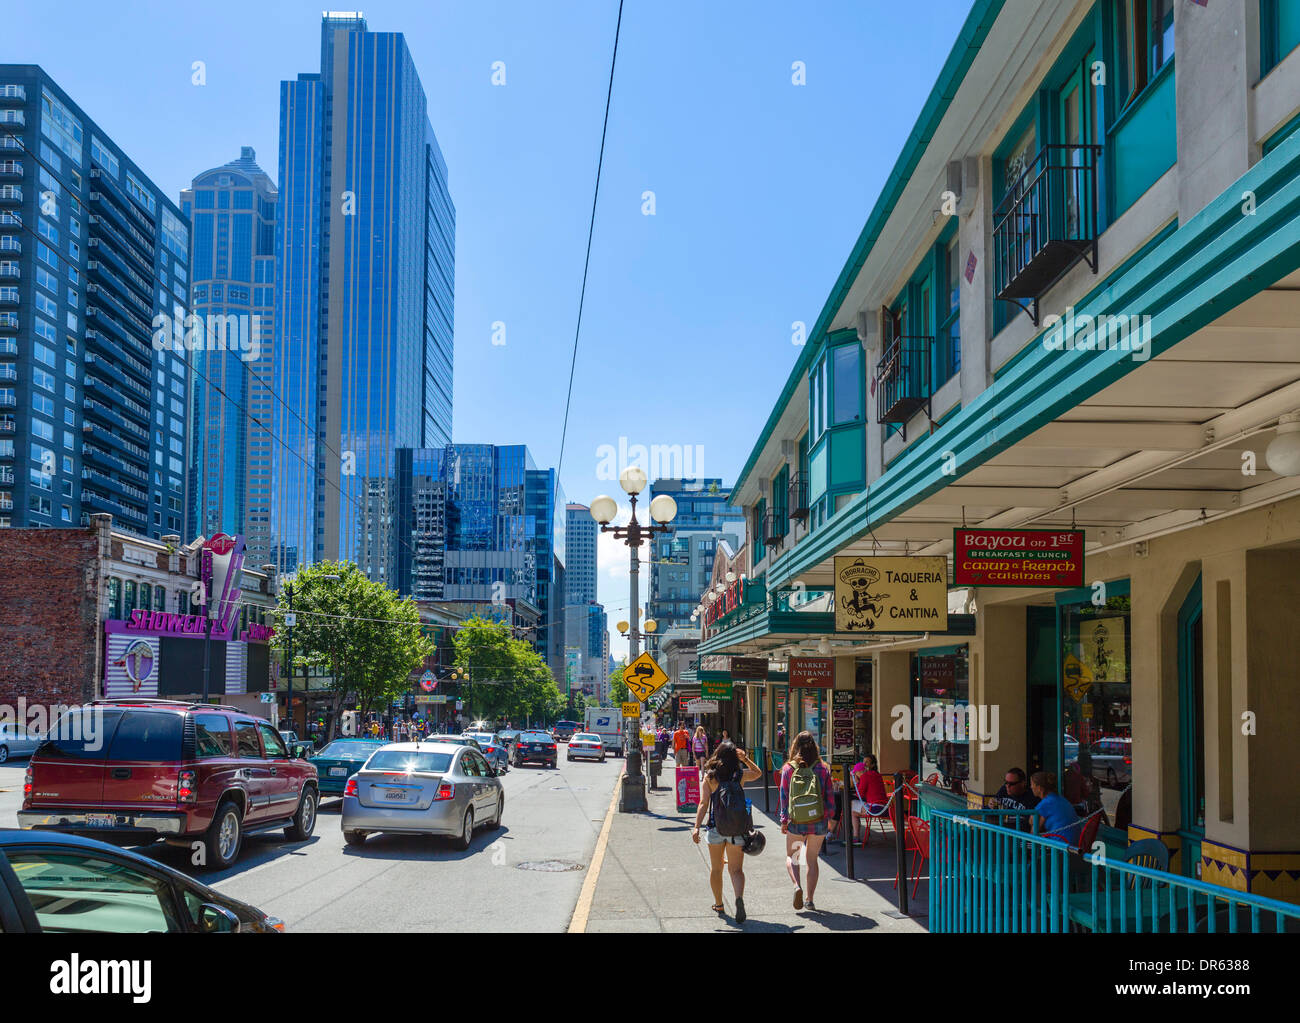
712, 837
812, 828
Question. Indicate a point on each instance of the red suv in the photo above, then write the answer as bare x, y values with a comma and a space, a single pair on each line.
194, 775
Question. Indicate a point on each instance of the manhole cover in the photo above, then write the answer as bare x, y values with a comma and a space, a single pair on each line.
550, 866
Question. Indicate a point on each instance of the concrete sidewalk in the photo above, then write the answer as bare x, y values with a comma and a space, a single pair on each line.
652, 877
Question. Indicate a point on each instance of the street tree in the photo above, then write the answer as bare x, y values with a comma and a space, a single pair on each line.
359, 631
617, 687
507, 677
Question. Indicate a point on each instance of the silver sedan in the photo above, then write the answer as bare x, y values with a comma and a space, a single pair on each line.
425, 788
17, 741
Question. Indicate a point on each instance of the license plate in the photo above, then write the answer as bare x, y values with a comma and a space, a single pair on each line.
101, 820
338, 772
396, 794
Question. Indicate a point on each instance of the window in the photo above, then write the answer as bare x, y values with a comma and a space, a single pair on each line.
1144, 43
160, 598
128, 599
847, 400
77, 893
212, 736
246, 740
42, 429
104, 157
146, 597
140, 193
1279, 32
114, 598
60, 127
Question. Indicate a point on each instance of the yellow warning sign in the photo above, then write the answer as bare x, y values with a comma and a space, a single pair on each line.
643, 676
632, 710
1078, 678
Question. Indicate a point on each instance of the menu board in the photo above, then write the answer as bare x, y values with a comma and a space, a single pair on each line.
842, 726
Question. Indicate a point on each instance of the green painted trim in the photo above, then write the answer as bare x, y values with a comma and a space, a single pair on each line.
1282, 133
1209, 265
964, 51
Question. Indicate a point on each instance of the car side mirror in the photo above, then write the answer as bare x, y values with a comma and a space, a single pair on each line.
298, 751
214, 919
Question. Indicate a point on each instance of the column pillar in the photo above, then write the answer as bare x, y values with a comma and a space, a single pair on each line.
998, 683
891, 684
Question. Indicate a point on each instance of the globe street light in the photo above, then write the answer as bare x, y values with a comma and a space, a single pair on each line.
663, 509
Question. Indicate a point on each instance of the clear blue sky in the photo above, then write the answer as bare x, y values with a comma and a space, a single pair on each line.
760, 186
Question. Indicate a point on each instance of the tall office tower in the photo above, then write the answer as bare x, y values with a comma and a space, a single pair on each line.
365, 249
580, 555
94, 268
682, 561
232, 211
476, 524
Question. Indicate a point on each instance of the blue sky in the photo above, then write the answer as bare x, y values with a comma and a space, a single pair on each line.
760, 186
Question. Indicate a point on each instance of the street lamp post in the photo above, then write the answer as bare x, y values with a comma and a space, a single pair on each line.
662, 511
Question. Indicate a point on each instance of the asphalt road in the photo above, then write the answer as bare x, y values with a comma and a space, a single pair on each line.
409, 883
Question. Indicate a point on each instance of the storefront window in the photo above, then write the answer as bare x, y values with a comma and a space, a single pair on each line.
1096, 701
130, 604
115, 598
942, 754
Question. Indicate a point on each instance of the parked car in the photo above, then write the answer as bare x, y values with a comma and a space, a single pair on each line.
1112, 761
588, 745
535, 747
17, 741
563, 730
508, 736
68, 884
493, 749
339, 760
438, 788
135, 771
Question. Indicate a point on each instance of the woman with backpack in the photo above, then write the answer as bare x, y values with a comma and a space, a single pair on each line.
807, 812
725, 776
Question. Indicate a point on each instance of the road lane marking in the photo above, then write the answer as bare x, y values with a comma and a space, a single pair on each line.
583, 909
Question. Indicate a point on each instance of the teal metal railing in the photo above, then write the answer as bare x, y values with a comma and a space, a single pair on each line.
986, 878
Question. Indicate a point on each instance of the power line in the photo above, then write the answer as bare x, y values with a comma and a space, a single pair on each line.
586, 264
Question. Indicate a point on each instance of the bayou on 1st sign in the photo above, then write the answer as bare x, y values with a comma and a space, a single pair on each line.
643, 676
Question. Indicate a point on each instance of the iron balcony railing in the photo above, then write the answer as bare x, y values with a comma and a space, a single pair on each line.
10, 91
799, 496
1045, 223
990, 879
903, 379
775, 526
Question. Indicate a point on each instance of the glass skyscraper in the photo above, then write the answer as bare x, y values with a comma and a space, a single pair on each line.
580, 547
232, 211
478, 523
94, 270
365, 248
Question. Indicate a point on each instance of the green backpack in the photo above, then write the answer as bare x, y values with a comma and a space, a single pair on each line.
806, 800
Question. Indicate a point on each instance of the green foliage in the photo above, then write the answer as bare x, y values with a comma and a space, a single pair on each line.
618, 688
507, 677
357, 630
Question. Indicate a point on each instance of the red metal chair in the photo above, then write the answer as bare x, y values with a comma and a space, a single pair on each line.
920, 832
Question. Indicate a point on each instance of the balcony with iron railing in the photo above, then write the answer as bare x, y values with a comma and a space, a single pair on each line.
114, 440
118, 286
111, 370
97, 499
903, 380
102, 179
9, 141
116, 417
8, 296
775, 526
11, 194
9, 243
105, 480
7, 424
102, 456
8, 321
11, 169
105, 234
7, 475
138, 334
115, 359
6, 502
8, 399
108, 254
14, 117
8, 372
12, 93
798, 496
10, 271
1045, 224
8, 346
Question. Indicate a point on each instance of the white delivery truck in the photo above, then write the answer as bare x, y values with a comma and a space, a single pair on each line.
607, 722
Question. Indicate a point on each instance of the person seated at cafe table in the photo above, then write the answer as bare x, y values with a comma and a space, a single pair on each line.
1057, 815
1015, 793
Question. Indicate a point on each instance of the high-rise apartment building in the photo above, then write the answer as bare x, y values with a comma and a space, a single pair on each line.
580, 550
682, 560
94, 275
365, 247
232, 211
476, 523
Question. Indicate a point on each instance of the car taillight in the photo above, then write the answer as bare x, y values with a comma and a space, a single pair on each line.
350, 789
185, 788
446, 790
27, 784
551, 746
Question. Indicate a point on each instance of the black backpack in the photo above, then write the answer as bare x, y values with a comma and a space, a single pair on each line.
730, 814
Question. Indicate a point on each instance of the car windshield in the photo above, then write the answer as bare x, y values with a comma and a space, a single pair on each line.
345, 749
409, 761
535, 736
455, 740
586, 737
480, 736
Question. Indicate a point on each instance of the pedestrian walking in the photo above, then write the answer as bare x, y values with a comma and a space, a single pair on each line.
724, 777
806, 807
681, 739
700, 749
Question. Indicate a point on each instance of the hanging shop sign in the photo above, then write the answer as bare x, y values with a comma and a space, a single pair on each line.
701, 707
812, 673
749, 669
741, 593
715, 690
891, 594
1044, 558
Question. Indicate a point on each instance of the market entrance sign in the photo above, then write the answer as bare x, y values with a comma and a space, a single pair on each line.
891, 594
1043, 558
715, 690
812, 673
